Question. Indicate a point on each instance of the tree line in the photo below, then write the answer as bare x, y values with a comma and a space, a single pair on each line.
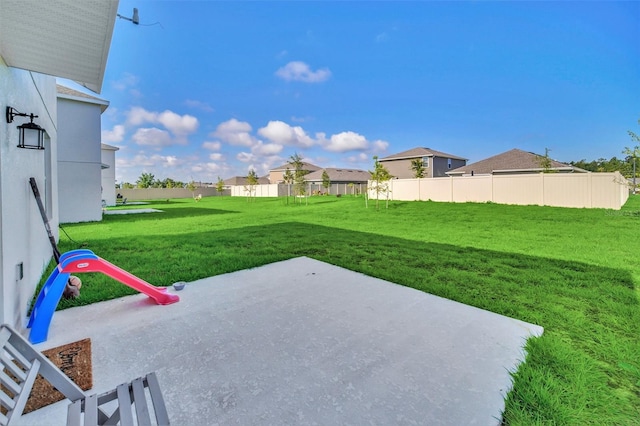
148, 180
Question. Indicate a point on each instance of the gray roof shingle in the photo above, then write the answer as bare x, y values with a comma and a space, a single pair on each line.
513, 160
305, 166
421, 152
339, 175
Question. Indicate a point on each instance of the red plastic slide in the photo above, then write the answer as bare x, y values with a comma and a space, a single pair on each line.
159, 294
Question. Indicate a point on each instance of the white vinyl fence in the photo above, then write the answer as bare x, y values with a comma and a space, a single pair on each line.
282, 190
589, 190
166, 193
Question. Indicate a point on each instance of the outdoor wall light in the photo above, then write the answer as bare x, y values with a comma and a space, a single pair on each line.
31, 135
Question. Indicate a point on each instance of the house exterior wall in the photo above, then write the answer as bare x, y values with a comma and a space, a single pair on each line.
579, 190
441, 166
108, 176
271, 190
79, 161
277, 176
437, 167
401, 169
23, 238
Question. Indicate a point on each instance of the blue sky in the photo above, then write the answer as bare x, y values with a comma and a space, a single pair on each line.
217, 88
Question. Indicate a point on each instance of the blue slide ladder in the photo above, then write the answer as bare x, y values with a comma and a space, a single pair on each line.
50, 296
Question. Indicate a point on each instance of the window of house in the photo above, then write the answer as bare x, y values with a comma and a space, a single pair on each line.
425, 161
448, 163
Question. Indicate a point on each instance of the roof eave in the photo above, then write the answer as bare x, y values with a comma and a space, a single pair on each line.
71, 39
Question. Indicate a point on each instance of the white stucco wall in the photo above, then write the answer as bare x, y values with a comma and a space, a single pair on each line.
79, 161
23, 239
109, 174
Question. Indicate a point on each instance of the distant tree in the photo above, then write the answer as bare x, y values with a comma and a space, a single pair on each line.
220, 185
252, 181
145, 180
127, 185
380, 178
352, 186
299, 182
170, 183
326, 182
417, 165
191, 186
546, 162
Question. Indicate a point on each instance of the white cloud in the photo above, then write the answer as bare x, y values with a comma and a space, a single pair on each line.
212, 146
171, 160
234, 132
300, 71
203, 106
216, 156
246, 157
379, 145
152, 137
346, 141
179, 125
281, 133
359, 158
268, 149
115, 135
300, 119
382, 37
138, 115
125, 82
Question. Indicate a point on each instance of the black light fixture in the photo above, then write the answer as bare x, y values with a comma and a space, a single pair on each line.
31, 135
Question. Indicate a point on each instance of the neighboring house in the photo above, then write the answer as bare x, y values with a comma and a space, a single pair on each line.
38, 42
108, 158
515, 161
242, 181
276, 175
339, 176
79, 156
340, 180
436, 163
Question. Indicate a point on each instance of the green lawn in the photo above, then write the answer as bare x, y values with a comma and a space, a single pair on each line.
576, 272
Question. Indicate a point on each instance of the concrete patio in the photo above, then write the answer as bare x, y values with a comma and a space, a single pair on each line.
301, 342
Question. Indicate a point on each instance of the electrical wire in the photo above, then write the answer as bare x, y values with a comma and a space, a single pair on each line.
71, 239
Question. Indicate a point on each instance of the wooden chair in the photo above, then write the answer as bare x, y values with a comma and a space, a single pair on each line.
21, 363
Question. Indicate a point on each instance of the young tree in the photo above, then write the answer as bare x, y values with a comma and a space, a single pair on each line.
380, 178
633, 154
417, 165
288, 179
546, 162
299, 182
252, 181
326, 182
220, 185
191, 186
